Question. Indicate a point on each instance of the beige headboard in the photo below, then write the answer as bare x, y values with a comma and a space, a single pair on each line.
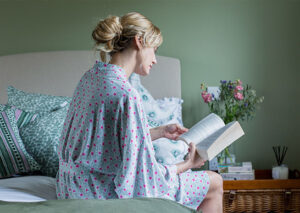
57, 73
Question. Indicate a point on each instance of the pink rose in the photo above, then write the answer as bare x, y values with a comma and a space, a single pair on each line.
239, 96
239, 87
207, 97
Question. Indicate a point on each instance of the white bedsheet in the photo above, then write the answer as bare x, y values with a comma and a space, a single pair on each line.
27, 189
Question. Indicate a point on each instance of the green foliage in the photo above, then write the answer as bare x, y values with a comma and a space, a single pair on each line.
235, 102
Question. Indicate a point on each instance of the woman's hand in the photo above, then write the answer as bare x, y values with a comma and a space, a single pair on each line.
192, 161
170, 131
173, 131
193, 158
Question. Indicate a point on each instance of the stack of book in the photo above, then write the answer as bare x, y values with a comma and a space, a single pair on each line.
237, 171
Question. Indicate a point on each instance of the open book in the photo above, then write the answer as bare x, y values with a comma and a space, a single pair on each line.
211, 135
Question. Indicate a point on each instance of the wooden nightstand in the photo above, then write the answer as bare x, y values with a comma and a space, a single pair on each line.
262, 195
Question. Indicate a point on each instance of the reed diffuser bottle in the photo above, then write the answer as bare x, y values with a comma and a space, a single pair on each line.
280, 171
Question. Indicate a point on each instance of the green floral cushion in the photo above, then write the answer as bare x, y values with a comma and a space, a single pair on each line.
41, 138
35, 102
14, 159
2, 107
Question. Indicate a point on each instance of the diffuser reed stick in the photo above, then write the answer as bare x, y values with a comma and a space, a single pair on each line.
280, 152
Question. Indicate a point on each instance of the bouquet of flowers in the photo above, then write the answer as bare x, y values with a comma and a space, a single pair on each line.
232, 102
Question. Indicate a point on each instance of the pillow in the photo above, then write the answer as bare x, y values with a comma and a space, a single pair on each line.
14, 159
22, 117
169, 151
35, 102
41, 139
173, 108
2, 107
161, 112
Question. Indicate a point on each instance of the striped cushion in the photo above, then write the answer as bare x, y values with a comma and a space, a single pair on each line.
14, 159
23, 118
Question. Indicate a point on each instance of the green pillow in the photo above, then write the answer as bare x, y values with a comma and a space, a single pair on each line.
41, 139
2, 107
14, 159
35, 102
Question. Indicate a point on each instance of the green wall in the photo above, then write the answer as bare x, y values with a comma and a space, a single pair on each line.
257, 41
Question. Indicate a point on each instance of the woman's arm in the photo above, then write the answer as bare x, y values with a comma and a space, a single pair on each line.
171, 131
156, 133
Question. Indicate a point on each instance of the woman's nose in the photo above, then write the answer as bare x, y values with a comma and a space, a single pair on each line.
154, 61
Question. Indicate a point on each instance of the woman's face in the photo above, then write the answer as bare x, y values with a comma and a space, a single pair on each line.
146, 59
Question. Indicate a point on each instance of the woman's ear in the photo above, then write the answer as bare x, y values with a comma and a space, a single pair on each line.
138, 42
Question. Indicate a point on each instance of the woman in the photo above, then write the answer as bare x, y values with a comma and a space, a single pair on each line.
106, 150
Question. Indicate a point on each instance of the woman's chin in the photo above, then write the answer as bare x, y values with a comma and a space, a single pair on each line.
144, 72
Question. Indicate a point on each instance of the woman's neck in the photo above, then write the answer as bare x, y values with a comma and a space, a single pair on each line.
126, 60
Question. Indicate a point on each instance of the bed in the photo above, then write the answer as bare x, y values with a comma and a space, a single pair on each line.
46, 73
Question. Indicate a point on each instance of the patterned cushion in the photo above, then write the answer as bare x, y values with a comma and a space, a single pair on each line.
161, 112
14, 158
23, 118
35, 102
41, 138
2, 107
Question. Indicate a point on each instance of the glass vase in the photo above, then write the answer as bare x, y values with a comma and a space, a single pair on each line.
227, 156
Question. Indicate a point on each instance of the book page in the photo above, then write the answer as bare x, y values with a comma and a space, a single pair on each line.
222, 138
203, 129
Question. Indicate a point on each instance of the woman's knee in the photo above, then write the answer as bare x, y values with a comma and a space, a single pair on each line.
216, 182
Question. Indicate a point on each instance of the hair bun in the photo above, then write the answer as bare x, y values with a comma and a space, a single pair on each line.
107, 33
115, 34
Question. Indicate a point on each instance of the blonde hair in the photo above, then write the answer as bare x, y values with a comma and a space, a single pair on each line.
114, 33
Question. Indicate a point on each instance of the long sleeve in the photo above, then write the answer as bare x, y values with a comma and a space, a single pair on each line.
140, 174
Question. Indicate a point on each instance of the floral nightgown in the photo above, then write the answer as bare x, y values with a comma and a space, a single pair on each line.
106, 152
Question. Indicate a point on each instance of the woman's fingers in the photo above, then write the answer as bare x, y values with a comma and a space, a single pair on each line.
181, 129
196, 160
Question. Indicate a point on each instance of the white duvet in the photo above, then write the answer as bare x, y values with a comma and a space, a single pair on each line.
27, 189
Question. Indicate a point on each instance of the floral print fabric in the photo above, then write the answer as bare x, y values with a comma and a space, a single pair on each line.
105, 149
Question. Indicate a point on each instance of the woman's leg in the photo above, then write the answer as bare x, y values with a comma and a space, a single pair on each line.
213, 201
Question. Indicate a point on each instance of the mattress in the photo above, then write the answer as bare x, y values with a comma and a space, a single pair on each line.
27, 189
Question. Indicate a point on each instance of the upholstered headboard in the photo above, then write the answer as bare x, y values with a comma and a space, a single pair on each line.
58, 72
